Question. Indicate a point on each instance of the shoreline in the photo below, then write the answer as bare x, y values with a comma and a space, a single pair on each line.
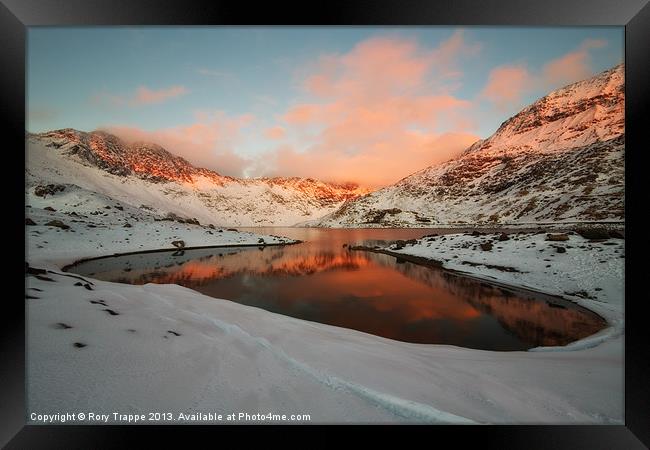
67, 267
433, 263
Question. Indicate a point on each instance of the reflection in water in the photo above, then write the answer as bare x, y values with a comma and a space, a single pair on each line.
321, 281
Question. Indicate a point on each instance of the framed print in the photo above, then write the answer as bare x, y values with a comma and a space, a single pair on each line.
361, 213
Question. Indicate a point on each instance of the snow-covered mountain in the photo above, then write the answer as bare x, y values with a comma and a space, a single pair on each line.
560, 159
145, 174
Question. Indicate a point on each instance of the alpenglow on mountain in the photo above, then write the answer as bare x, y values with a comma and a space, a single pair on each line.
145, 174
560, 159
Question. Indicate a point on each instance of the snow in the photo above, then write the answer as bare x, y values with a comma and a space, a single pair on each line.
168, 349
223, 200
559, 160
235, 358
95, 230
590, 273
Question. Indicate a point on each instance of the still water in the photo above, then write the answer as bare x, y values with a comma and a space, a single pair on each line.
321, 281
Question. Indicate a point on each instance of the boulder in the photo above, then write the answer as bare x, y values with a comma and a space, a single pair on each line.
58, 224
593, 233
503, 237
29, 221
557, 237
49, 208
178, 244
399, 244
486, 246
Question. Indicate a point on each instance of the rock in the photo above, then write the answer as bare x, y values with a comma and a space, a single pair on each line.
487, 246
476, 233
503, 237
50, 189
399, 244
211, 227
178, 244
29, 221
193, 221
49, 208
411, 242
232, 229
560, 249
127, 225
107, 207
261, 241
593, 233
57, 223
616, 234
121, 208
557, 237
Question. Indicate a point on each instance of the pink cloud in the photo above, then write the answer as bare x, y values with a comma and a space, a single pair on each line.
209, 142
573, 66
374, 114
142, 96
383, 163
506, 84
275, 133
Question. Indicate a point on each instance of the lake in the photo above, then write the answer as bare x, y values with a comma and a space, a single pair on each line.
321, 281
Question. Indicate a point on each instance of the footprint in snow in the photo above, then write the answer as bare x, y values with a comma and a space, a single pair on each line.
79, 345
62, 326
173, 332
111, 312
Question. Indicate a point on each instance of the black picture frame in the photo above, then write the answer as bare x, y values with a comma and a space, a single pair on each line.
16, 15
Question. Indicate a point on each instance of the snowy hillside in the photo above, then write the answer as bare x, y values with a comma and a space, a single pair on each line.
146, 174
561, 159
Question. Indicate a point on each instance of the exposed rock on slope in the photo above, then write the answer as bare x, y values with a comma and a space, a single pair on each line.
147, 174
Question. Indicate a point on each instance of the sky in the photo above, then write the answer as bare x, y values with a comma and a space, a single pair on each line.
369, 105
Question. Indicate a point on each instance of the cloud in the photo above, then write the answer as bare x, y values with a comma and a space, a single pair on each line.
383, 163
142, 96
508, 83
375, 114
209, 142
573, 66
275, 133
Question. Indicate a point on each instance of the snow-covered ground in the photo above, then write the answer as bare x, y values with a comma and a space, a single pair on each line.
101, 226
112, 348
587, 272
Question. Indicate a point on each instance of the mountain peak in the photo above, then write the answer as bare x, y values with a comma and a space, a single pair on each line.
578, 114
559, 159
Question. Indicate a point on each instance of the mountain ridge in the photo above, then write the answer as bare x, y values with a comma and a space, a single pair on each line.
560, 159
148, 173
